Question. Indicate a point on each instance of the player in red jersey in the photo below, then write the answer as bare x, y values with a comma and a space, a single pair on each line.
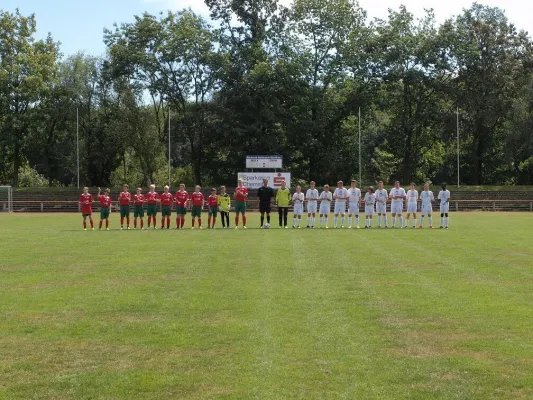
166, 207
105, 207
241, 195
138, 208
197, 200
124, 200
86, 203
212, 203
182, 198
152, 198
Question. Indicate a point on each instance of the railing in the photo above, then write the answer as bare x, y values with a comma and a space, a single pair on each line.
457, 205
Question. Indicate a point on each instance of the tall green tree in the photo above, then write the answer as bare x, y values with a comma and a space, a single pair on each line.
27, 69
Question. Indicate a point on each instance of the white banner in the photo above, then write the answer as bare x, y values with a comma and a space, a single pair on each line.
254, 180
264, 162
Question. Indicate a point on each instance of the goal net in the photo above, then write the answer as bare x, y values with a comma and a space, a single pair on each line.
6, 199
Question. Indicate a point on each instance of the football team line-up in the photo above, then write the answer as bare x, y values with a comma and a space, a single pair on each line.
374, 201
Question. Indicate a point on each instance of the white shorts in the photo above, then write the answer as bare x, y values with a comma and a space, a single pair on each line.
353, 208
325, 209
340, 208
381, 208
427, 209
396, 208
445, 208
412, 208
311, 207
369, 210
299, 209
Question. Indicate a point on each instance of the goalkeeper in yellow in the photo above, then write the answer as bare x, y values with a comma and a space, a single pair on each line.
283, 199
224, 206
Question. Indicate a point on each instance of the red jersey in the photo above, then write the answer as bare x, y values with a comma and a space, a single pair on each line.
182, 198
86, 201
167, 199
138, 199
124, 198
152, 198
105, 201
212, 201
240, 193
197, 199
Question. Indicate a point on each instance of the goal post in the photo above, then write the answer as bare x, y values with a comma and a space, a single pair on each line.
6, 199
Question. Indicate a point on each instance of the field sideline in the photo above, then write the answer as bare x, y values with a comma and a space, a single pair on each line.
278, 314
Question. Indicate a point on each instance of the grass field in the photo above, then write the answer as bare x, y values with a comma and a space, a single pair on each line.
277, 314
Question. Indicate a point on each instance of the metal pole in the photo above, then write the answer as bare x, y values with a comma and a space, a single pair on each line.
360, 165
78, 143
169, 146
458, 152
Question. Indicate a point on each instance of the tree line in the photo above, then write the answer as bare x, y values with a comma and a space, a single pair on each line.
260, 78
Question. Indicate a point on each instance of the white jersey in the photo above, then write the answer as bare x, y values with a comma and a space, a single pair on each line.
381, 196
444, 197
354, 195
412, 196
397, 192
325, 198
298, 198
370, 199
427, 197
340, 193
312, 195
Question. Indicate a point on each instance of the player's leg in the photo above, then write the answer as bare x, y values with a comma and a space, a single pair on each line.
84, 221
244, 218
400, 218
280, 216
393, 219
268, 215
414, 220
91, 221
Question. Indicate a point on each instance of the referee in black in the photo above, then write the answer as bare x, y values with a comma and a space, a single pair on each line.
265, 195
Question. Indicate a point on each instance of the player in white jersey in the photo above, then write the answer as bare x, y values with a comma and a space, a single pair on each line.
412, 204
312, 203
397, 196
354, 201
340, 196
325, 205
426, 197
370, 201
444, 197
298, 201
381, 204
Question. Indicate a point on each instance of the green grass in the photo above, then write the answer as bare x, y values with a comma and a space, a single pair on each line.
266, 314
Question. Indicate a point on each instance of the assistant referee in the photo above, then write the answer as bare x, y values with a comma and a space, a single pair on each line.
265, 195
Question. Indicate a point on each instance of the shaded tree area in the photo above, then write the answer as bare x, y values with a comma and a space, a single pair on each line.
266, 79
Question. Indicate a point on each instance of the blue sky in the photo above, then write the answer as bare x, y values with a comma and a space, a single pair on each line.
79, 25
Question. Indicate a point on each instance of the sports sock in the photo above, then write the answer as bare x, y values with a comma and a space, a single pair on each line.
414, 223
178, 222
327, 221
200, 222
182, 222
209, 222
100, 225
92, 224
168, 222
84, 225
293, 221
314, 219
350, 219
214, 222
447, 221
107, 223
121, 221
262, 219
401, 221
357, 221
430, 221
393, 221
335, 219
441, 221
268, 219
406, 222
385, 220
142, 223
149, 221
379, 220
422, 221
237, 220
342, 223
244, 220
135, 223
155, 221
193, 222
320, 219
128, 221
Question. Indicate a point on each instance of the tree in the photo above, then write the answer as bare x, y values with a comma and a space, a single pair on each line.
492, 61
27, 69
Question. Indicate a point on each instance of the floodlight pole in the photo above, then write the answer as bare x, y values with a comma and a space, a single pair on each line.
169, 146
360, 165
458, 152
78, 144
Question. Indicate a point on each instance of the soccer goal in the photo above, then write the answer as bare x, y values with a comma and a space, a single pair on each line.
6, 199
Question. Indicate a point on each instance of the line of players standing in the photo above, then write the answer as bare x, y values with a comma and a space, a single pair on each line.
374, 201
